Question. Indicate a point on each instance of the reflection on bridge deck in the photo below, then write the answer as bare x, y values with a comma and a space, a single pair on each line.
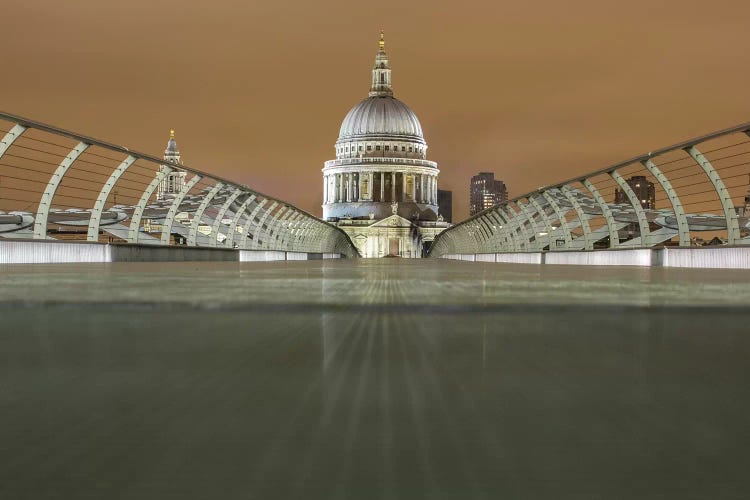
372, 379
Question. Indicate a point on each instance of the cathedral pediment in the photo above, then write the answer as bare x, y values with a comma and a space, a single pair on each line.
393, 221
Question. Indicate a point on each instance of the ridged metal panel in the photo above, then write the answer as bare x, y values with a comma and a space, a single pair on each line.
710, 258
634, 257
519, 258
261, 255
46, 252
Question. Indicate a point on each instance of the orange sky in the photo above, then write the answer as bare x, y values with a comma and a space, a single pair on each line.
535, 91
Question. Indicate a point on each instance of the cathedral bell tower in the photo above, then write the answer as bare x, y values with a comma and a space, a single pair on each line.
175, 180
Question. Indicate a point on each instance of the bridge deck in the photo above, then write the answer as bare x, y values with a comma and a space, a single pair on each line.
372, 379
385, 283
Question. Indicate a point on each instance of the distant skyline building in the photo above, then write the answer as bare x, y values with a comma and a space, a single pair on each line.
445, 204
643, 189
486, 192
175, 180
381, 189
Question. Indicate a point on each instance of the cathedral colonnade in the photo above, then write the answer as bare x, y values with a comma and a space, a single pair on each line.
382, 186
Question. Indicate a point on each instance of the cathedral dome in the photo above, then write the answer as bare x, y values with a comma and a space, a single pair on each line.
381, 116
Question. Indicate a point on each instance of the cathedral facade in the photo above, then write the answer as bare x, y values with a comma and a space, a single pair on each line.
381, 189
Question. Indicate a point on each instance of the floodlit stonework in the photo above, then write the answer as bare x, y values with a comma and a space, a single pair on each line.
381, 189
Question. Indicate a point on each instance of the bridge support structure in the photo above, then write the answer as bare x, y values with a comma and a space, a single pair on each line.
687, 195
85, 190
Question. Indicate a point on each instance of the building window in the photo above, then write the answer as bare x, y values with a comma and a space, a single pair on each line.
369, 148
403, 148
360, 148
377, 147
410, 149
387, 148
382, 77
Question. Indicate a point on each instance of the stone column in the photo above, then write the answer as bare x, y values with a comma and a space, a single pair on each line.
403, 186
414, 187
325, 189
382, 186
349, 187
393, 187
434, 189
341, 187
421, 188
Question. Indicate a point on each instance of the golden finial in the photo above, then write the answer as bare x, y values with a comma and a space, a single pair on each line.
171, 134
382, 41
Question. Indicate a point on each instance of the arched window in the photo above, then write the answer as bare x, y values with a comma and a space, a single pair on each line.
382, 77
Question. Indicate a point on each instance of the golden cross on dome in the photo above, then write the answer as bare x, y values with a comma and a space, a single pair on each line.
171, 133
382, 41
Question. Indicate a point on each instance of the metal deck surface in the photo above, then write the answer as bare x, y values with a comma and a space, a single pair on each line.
373, 379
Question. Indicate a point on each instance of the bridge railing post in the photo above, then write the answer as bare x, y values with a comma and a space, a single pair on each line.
614, 238
730, 216
45, 203
166, 230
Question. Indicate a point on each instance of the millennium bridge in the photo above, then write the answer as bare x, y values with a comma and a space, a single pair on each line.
58, 186
699, 194
62, 186
283, 366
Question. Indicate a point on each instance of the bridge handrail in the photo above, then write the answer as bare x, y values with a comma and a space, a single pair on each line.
314, 234
733, 220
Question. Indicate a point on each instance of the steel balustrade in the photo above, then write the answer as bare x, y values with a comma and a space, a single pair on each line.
99, 186
696, 192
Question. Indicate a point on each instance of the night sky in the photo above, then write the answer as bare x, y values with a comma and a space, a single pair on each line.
535, 91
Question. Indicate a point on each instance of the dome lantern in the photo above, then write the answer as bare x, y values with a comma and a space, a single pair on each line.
381, 73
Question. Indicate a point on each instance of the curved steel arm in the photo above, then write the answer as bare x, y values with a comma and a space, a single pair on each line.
500, 235
193, 234
249, 222
516, 219
229, 242
220, 216
530, 217
511, 238
11, 137
636, 204
302, 227
263, 218
42, 213
560, 218
549, 228
679, 212
135, 219
289, 232
583, 219
274, 225
614, 238
733, 226
96, 212
166, 229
